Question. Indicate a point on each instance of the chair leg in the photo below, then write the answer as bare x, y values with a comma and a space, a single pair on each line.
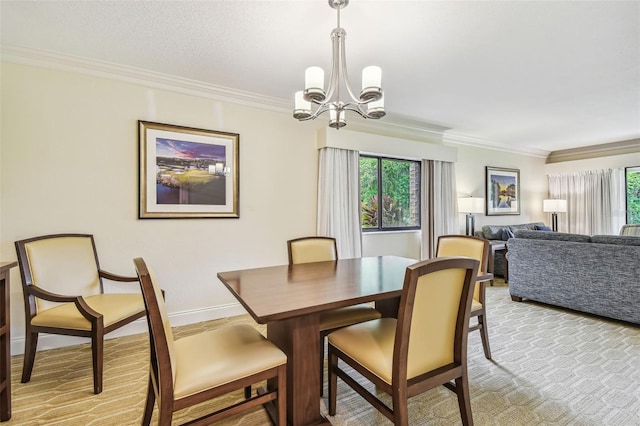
247, 392
464, 400
149, 404
97, 354
400, 407
484, 335
282, 396
321, 364
333, 381
30, 344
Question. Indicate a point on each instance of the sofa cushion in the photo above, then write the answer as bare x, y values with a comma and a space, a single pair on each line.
556, 236
506, 234
616, 239
543, 228
493, 232
523, 227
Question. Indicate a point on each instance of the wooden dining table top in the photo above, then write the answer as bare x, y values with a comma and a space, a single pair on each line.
285, 291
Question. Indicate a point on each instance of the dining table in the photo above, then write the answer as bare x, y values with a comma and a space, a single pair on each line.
289, 300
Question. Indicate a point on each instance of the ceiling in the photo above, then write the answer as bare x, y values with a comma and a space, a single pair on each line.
527, 75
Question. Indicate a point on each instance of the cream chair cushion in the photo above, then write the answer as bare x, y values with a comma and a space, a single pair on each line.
312, 250
468, 248
48, 257
217, 357
341, 317
114, 307
433, 324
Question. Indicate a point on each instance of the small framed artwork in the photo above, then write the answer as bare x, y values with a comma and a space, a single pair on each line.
503, 191
187, 173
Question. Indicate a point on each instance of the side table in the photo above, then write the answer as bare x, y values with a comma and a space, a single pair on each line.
499, 246
5, 342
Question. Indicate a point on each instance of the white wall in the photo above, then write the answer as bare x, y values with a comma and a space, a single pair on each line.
68, 153
470, 172
69, 164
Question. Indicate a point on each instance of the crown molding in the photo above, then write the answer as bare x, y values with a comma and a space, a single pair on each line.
395, 125
595, 151
464, 139
92, 67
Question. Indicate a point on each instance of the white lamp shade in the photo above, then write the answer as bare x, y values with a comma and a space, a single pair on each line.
371, 77
471, 205
314, 78
554, 206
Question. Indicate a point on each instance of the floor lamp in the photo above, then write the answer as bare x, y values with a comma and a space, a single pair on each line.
554, 207
470, 206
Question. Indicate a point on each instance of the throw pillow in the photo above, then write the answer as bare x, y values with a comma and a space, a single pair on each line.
543, 228
506, 234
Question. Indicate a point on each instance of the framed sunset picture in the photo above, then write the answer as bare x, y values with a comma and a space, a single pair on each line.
186, 172
503, 191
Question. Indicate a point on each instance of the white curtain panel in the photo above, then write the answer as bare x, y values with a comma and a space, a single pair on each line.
595, 201
339, 200
439, 207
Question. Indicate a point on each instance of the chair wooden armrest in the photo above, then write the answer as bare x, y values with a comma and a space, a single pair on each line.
115, 277
81, 304
47, 295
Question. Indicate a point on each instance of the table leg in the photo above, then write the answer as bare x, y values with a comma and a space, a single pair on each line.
299, 338
389, 307
506, 266
5, 351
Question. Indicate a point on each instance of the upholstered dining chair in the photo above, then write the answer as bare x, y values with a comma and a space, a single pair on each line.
187, 371
320, 249
426, 346
63, 290
476, 248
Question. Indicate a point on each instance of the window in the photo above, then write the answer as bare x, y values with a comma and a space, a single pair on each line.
632, 184
397, 184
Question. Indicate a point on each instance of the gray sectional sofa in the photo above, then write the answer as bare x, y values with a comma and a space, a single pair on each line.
498, 233
597, 274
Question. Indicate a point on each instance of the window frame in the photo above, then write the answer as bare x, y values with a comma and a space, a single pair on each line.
634, 169
380, 227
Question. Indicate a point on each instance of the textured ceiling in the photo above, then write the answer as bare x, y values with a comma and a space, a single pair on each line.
543, 75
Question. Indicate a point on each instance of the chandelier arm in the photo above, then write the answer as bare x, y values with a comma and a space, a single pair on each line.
323, 108
356, 109
343, 63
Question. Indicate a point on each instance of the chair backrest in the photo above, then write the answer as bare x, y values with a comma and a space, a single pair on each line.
468, 246
60, 263
632, 229
163, 363
433, 321
312, 249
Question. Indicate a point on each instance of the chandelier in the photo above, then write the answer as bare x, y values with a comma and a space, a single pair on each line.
314, 100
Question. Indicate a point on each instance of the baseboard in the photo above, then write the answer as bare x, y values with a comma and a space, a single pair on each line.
52, 341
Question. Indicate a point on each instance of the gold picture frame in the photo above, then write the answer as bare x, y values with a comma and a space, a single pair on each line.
186, 172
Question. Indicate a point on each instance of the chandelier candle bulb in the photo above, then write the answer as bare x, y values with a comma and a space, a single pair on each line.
371, 83
338, 122
314, 84
302, 106
376, 108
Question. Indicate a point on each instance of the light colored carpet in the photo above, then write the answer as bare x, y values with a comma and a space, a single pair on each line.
549, 367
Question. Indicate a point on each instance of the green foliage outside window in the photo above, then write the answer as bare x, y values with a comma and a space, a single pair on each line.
396, 183
633, 194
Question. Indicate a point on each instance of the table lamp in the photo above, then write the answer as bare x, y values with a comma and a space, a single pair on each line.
470, 206
554, 207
